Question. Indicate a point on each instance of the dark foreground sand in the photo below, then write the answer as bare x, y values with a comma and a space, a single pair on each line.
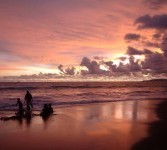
107, 126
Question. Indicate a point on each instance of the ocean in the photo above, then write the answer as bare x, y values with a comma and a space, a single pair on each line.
63, 94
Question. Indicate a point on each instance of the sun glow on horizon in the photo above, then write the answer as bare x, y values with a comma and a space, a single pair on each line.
104, 67
37, 70
127, 58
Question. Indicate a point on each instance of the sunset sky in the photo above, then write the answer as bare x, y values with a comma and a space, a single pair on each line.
40, 35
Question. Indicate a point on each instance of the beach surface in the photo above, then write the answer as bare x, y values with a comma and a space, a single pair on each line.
105, 126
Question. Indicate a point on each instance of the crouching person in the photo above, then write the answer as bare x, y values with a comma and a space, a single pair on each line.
47, 110
21, 110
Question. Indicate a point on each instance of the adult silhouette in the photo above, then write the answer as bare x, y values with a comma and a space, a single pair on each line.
28, 99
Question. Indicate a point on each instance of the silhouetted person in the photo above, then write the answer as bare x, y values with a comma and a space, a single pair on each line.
50, 108
45, 111
20, 104
28, 99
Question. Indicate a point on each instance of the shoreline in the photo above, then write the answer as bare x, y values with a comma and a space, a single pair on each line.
85, 103
98, 126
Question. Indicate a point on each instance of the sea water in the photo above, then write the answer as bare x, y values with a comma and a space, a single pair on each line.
62, 94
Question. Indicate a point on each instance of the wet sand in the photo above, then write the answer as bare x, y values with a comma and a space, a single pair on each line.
105, 126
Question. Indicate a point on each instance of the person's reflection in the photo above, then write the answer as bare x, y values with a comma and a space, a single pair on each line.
157, 138
46, 113
28, 117
46, 121
19, 121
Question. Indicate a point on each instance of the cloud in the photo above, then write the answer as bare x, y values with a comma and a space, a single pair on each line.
39, 33
157, 36
111, 65
134, 51
132, 66
154, 42
122, 58
93, 66
155, 62
164, 45
70, 70
151, 44
60, 67
98, 58
155, 4
85, 62
132, 36
152, 22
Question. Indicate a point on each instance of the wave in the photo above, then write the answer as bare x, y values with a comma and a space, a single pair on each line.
18, 88
58, 87
62, 104
141, 92
110, 85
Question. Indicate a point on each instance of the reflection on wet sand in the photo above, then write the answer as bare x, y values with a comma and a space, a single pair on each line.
105, 126
129, 111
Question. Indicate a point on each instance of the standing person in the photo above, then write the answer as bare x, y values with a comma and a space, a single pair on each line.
28, 99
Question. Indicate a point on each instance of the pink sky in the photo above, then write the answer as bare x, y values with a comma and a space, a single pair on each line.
42, 34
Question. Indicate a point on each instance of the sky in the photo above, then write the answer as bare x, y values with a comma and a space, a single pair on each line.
95, 36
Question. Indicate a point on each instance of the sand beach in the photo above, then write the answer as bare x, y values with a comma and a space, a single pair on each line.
105, 126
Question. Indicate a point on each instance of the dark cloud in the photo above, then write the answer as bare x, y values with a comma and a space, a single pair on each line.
121, 68
70, 70
152, 44
132, 66
157, 36
134, 51
111, 66
155, 62
93, 66
147, 51
85, 62
60, 67
155, 4
132, 36
98, 58
122, 58
152, 22
164, 45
